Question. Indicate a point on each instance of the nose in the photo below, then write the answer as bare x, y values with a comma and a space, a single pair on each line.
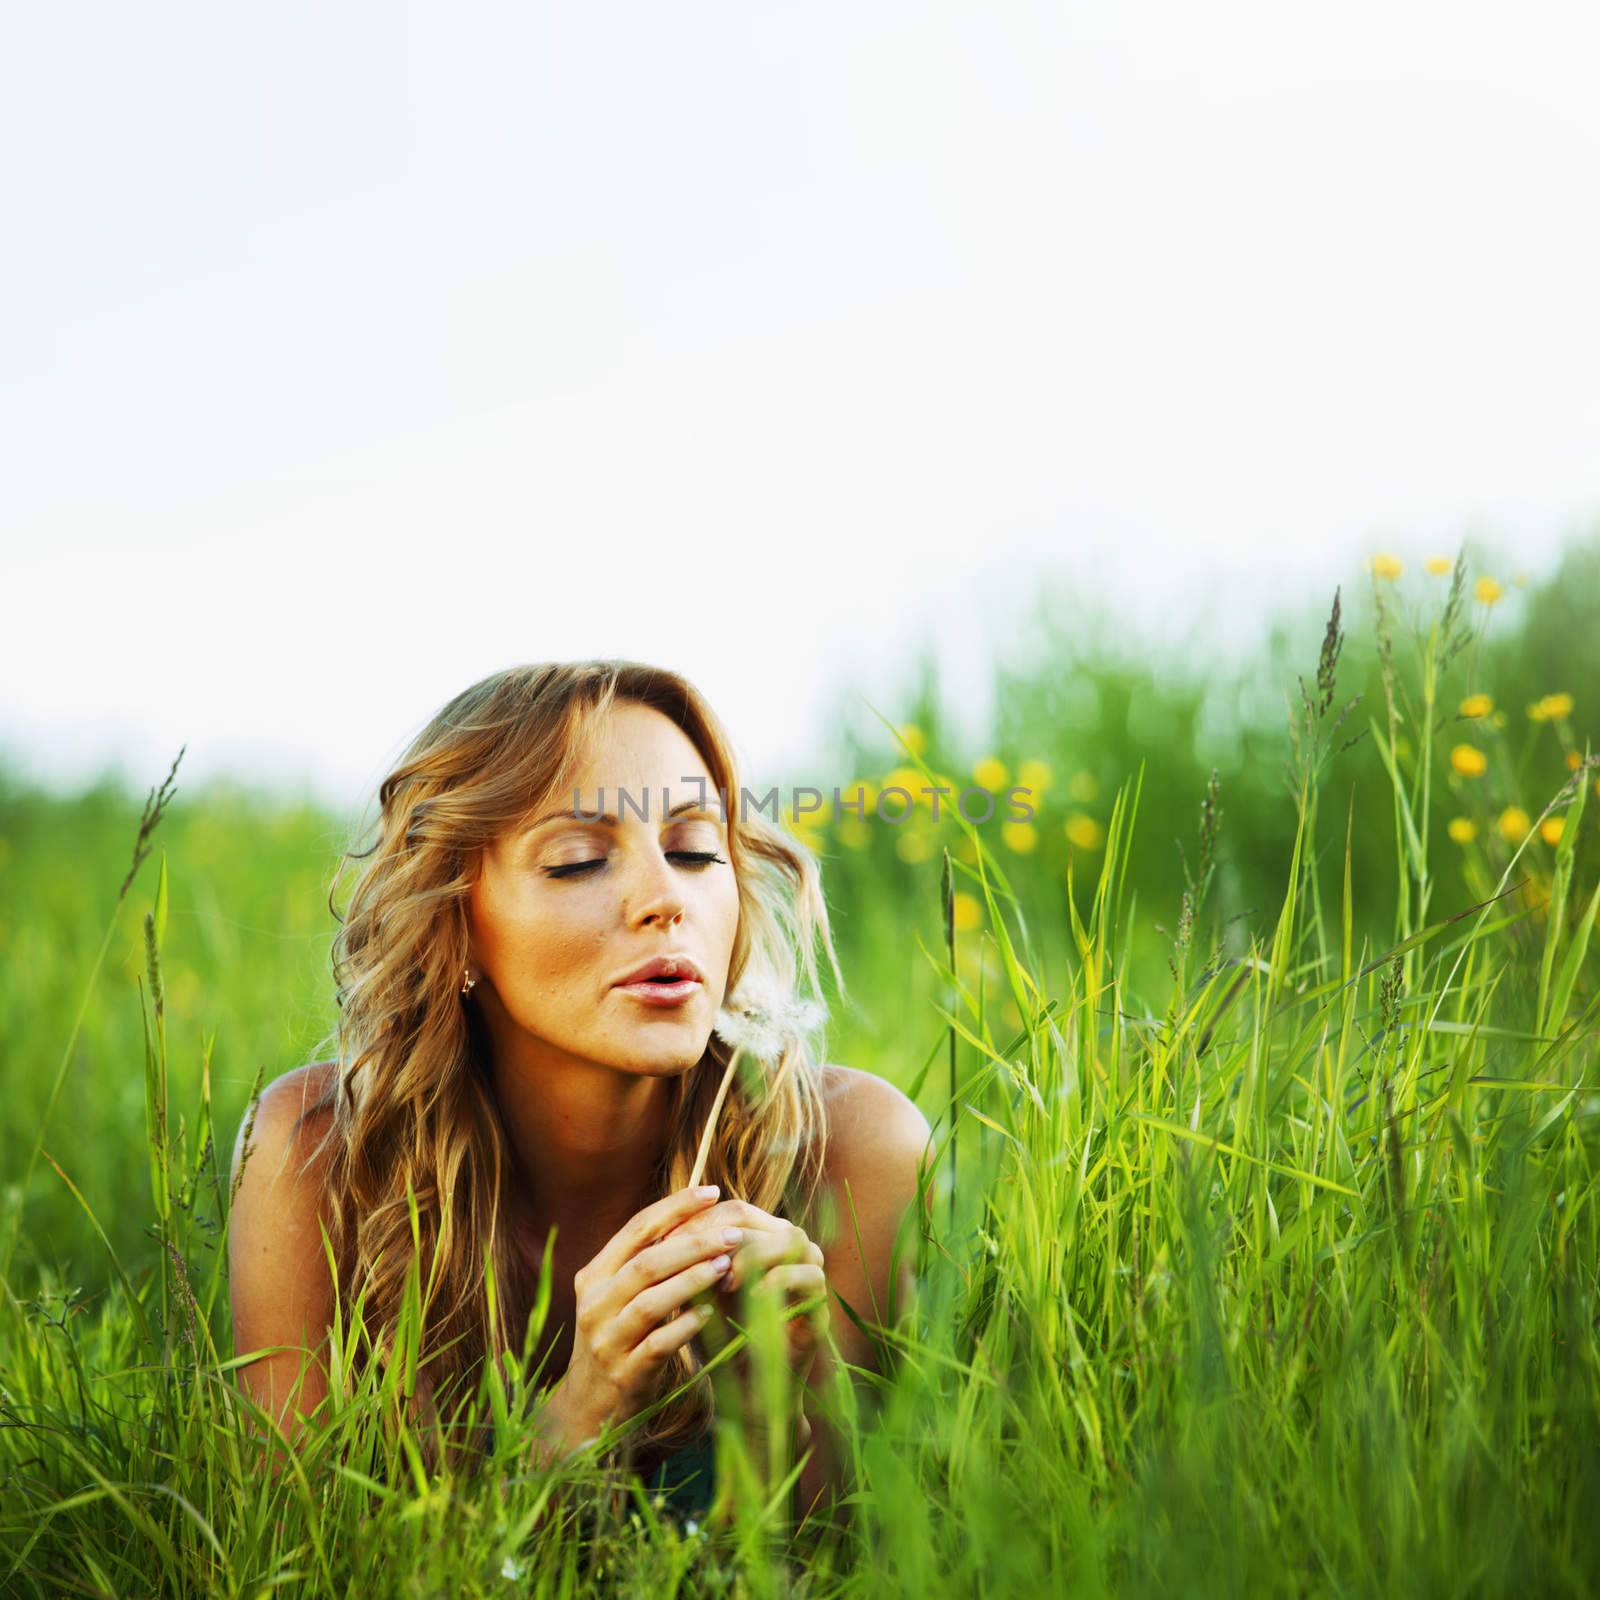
659, 896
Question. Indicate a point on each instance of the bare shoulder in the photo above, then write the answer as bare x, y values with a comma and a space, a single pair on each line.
878, 1158
869, 1117
278, 1181
280, 1286
285, 1122
877, 1141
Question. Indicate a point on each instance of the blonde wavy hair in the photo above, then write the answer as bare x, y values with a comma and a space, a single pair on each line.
414, 1112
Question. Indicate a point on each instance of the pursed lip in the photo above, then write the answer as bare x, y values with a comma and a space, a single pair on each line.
664, 967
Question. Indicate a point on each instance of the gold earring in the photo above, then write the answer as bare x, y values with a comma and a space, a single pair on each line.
466, 987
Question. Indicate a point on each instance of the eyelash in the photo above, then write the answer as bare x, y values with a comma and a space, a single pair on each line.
696, 858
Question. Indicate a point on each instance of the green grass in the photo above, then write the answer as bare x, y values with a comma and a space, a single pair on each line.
1265, 1260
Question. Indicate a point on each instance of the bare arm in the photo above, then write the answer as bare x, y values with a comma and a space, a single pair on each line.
279, 1282
877, 1138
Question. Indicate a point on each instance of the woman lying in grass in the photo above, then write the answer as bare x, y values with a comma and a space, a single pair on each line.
559, 949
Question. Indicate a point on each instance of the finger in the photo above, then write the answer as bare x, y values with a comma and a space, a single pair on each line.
796, 1280
643, 1228
662, 1301
685, 1245
661, 1341
761, 1251
740, 1213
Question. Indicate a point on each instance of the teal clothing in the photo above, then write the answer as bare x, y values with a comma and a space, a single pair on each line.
686, 1479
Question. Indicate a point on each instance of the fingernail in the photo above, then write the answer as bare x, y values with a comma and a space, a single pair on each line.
732, 1235
720, 1263
709, 1191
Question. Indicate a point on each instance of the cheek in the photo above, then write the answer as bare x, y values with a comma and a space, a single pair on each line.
540, 939
732, 906
723, 917
549, 975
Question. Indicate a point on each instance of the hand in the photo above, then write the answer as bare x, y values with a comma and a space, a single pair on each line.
778, 1258
633, 1309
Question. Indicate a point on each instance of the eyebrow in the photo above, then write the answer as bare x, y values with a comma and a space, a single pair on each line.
572, 815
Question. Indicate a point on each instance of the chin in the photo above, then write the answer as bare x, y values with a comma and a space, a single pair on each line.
664, 1061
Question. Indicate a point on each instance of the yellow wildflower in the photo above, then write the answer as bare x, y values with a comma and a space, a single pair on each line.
1488, 591
1019, 836
1550, 829
912, 782
920, 787
1534, 892
812, 819
1574, 761
1083, 787
1477, 705
991, 773
968, 912
1514, 824
1084, 832
913, 847
1468, 760
1597, 788
854, 833
1384, 566
1463, 830
1439, 565
916, 741
1551, 708
1036, 776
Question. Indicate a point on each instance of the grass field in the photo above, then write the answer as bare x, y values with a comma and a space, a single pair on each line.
1264, 1260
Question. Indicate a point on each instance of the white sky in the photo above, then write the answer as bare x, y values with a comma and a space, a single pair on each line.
352, 352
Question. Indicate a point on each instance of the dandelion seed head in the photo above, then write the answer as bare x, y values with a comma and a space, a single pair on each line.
763, 1016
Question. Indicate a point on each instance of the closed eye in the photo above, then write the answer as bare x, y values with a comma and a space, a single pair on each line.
693, 858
